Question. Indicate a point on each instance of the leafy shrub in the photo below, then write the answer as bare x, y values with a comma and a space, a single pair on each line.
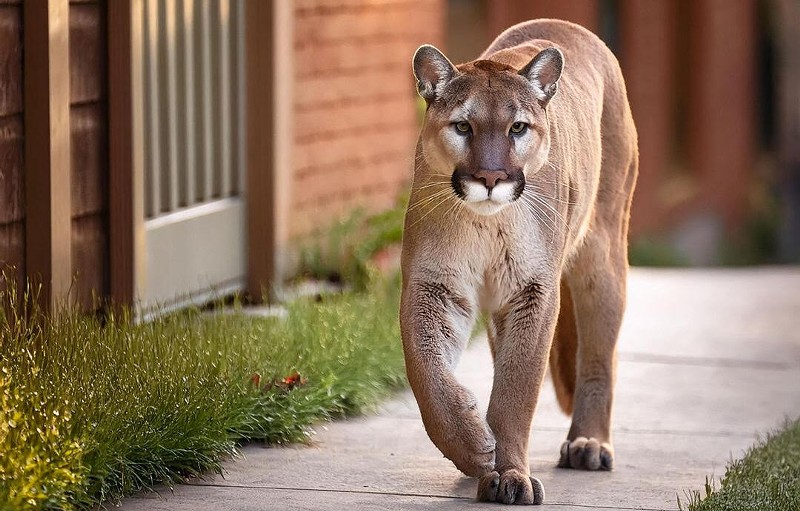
347, 250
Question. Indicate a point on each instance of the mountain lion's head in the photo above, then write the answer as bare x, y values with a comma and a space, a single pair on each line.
486, 126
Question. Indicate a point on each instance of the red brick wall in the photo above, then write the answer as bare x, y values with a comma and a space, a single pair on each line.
355, 115
505, 13
648, 56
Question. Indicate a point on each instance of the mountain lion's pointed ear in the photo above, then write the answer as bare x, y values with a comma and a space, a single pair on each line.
543, 71
432, 70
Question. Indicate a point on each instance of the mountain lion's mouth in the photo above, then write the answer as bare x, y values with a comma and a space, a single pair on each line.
476, 188
485, 201
477, 194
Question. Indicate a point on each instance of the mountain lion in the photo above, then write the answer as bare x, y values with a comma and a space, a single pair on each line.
525, 167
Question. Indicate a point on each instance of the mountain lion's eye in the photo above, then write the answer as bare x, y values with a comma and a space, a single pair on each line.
518, 128
463, 127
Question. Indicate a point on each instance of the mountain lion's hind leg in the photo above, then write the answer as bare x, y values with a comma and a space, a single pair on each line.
436, 322
597, 284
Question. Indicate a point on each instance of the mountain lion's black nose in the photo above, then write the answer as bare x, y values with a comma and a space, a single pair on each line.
491, 177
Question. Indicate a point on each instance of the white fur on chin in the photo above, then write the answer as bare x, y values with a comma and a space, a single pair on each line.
476, 197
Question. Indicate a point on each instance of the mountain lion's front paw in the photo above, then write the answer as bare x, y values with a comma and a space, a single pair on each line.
512, 487
587, 454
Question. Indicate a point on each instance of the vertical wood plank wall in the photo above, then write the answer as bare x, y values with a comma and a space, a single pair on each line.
88, 57
126, 187
282, 124
80, 196
261, 187
47, 149
12, 176
100, 194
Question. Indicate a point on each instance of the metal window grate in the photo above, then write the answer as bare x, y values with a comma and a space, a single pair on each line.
193, 75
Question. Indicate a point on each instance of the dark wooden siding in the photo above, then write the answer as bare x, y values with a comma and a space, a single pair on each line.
89, 148
12, 179
89, 145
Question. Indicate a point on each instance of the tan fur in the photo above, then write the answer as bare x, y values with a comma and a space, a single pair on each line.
564, 351
560, 256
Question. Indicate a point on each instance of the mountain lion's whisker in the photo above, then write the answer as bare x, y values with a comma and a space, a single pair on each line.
448, 196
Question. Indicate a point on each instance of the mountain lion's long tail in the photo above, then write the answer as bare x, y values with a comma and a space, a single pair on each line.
562, 353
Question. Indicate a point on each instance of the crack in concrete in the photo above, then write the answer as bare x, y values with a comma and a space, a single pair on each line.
654, 358
665, 432
404, 494
616, 430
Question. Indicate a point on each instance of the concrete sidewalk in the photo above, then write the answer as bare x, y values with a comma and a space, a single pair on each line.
707, 360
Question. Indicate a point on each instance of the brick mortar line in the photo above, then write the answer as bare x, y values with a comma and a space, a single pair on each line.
360, 163
323, 10
348, 102
354, 71
366, 39
303, 140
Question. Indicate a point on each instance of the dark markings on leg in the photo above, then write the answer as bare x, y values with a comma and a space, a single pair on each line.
528, 298
509, 261
445, 297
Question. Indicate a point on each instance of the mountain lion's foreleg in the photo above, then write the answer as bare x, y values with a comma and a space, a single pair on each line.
435, 322
524, 330
598, 292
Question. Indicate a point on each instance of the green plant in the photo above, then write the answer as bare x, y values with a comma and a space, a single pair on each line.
652, 251
41, 465
767, 477
756, 243
129, 405
348, 247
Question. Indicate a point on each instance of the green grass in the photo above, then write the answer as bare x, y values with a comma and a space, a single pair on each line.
92, 412
766, 478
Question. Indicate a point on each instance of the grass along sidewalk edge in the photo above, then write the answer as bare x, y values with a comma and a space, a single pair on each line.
92, 412
767, 477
